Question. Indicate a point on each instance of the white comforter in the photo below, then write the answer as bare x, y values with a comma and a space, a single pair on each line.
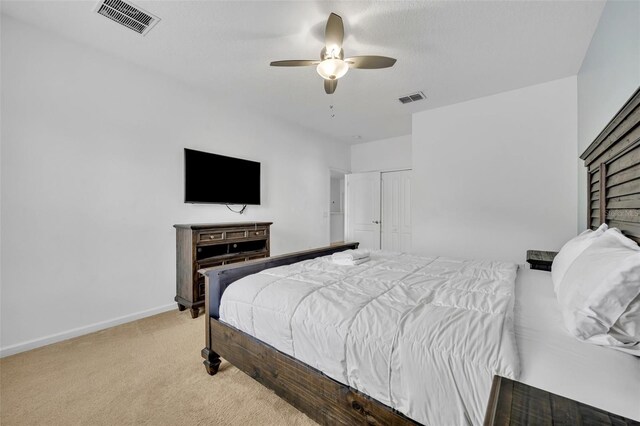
422, 335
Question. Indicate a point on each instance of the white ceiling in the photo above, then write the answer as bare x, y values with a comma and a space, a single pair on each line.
451, 50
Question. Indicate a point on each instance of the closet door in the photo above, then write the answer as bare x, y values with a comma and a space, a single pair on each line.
396, 211
363, 209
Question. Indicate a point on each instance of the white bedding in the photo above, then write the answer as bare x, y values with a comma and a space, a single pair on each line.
422, 335
553, 360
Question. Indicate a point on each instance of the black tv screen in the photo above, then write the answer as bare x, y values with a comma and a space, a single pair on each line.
213, 178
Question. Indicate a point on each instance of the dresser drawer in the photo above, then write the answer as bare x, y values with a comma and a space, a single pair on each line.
257, 232
210, 236
235, 234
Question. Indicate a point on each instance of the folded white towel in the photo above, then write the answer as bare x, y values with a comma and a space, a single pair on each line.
351, 255
347, 262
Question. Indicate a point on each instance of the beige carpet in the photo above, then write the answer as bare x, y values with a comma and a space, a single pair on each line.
145, 372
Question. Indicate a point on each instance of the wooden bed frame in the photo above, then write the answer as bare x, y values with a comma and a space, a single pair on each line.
613, 172
325, 400
613, 162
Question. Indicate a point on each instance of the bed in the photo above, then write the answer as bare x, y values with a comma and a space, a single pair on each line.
330, 389
552, 360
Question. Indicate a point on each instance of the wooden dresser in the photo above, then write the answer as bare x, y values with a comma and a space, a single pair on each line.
205, 245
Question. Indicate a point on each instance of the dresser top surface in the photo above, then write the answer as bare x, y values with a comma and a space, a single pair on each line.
541, 256
197, 226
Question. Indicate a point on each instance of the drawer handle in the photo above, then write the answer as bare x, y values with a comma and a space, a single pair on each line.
211, 237
257, 232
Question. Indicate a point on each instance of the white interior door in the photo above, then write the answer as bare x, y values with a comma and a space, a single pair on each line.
363, 209
396, 211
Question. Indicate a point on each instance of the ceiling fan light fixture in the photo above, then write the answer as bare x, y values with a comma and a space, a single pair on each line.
332, 68
333, 65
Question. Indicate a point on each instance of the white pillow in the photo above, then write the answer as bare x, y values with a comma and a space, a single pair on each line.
599, 287
627, 328
570, 251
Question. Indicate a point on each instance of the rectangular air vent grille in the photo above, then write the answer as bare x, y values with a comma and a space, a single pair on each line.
127, 15
418, 96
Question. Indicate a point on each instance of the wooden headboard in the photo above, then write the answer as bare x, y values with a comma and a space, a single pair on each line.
613, 172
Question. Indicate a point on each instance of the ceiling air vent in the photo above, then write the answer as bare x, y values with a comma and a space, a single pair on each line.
418, 96
128, 15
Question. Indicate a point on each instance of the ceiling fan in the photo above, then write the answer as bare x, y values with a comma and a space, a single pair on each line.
332, 64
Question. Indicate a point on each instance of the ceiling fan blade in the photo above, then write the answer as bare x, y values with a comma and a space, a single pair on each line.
334, 33
330, 86
294, 63
370, 62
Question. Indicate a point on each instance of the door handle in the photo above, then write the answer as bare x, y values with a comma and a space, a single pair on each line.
376, 222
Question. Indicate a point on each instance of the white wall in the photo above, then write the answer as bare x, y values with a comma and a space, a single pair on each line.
336, 209
337, 227
381, 155
337, 193
92, 179
495, 176
609, 75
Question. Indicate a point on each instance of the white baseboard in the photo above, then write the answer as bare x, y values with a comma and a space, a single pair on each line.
80, 331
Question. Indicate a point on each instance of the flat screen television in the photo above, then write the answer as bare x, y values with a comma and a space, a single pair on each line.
213, 178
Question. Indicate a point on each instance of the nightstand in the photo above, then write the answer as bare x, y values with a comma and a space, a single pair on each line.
514, 403
541, 260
